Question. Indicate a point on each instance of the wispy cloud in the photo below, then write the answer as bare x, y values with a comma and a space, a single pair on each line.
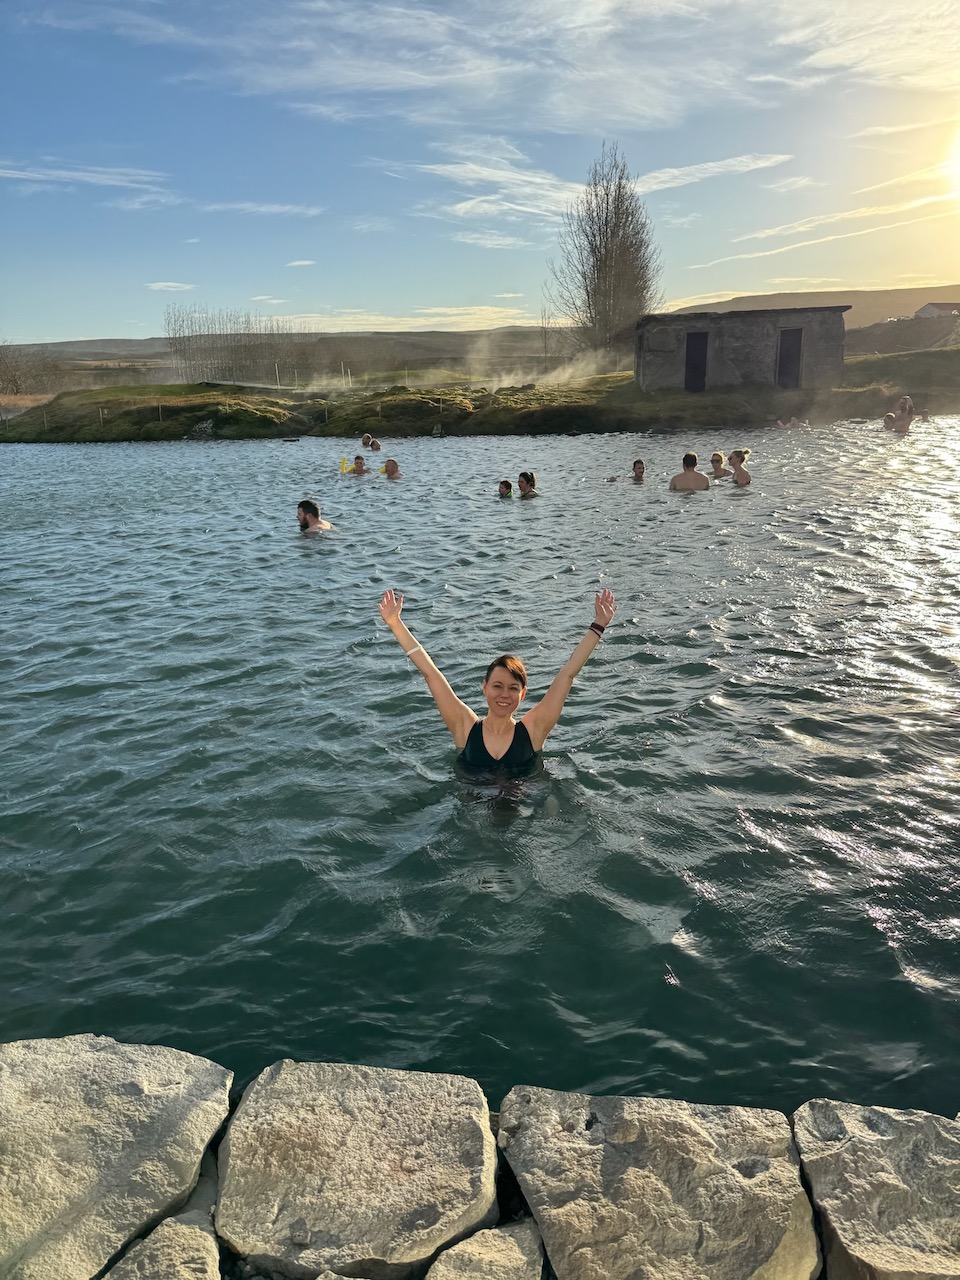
884, 44
510, 190
792, 184
370, 224
170, 286
302, 262
515, 190
846, 215
808, 244
663, 179
266, 208
805, 282
89, 175
508, 295
681, 221
483, 63
919, 279
885, 130
932, 173
492, 240
147, 200
268, 299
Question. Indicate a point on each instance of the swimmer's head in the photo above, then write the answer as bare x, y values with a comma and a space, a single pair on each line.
527, 480
639, 467
689, 461
742, 454
505, 489
717, 458
307, 508
511, 664
365, 439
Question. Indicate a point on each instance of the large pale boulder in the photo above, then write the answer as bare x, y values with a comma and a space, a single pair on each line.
97, 1141
887, 1185
629, 1187
357, 1170
512, 1252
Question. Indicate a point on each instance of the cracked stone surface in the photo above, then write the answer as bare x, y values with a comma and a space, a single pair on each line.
354, 1169
630, 1187
887, 1186
97, 1141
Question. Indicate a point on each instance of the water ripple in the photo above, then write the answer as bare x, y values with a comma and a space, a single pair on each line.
229, 819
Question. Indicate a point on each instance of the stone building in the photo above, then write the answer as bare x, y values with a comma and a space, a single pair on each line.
701, 350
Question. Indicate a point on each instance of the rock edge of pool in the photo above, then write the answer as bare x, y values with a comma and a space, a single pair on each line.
130, 1160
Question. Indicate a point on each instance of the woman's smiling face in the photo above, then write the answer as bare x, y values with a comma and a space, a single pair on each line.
503, 691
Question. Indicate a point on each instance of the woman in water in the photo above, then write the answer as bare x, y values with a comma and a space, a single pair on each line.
527, 484
719, 464
738, 460
497, 742
904, 415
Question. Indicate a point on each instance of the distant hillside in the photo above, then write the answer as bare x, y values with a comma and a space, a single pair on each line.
101, 350
429, 346
928, 334
868, 306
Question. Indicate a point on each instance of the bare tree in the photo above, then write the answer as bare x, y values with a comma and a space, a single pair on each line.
608, 272
28, 370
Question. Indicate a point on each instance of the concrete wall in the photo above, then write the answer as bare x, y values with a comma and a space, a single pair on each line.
741, 347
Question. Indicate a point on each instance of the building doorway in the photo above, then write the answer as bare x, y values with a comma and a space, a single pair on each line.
695, 370
789, 352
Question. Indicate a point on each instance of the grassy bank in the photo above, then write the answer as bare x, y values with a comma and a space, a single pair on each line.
611, 402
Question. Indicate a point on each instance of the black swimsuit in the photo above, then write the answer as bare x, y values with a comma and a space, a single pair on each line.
519, 758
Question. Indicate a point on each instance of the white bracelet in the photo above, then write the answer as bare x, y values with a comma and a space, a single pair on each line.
417, 648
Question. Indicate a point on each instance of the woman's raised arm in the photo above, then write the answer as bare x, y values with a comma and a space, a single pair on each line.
540, 719
457, 716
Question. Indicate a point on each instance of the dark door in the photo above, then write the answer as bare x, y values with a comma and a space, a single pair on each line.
695, 372
788, 357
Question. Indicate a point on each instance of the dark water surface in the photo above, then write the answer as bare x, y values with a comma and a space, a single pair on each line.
229, 819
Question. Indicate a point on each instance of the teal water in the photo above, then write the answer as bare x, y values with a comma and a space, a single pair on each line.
229, 820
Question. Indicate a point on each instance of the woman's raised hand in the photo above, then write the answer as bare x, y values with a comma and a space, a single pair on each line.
604, 607
391, 602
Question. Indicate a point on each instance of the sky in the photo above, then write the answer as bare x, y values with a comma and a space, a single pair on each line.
354, 165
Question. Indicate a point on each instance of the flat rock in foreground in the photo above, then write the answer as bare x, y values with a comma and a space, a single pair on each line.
629, 1187
357, 1170
887, 1185
512, 1252
183, 1247
98, 1140
178, 1250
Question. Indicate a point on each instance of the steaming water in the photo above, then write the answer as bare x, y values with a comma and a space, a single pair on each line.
230, 821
